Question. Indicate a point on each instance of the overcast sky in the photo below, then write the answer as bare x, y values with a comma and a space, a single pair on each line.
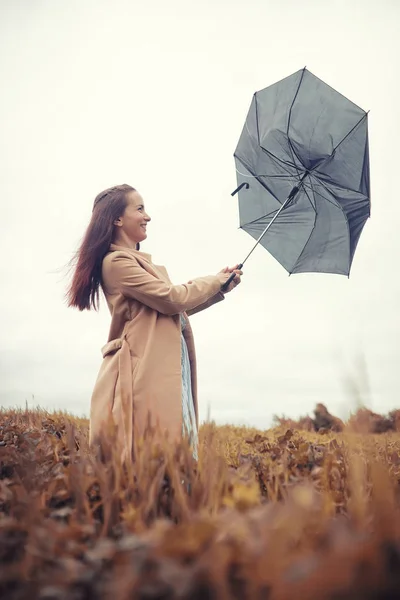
155, 94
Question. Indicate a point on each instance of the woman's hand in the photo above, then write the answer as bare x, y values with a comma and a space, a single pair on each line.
224, 275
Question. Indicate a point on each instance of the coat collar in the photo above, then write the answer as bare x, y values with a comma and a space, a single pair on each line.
137, 253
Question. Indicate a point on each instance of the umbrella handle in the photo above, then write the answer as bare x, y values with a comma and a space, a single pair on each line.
245, 185
231, 278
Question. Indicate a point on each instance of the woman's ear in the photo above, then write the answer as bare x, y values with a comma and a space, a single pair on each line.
118, 222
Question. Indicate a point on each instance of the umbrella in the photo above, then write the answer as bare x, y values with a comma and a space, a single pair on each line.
302, 164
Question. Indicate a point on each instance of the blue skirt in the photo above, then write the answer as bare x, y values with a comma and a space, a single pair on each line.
189, 427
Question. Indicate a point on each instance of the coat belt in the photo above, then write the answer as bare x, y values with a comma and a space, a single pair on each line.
119, 351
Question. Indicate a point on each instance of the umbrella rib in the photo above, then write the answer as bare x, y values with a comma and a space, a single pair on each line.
279, 161
340, 207
308, 197
269, 176
365, 115
322, 196
258, 129
288, 126
308, 239
335, 205
341, 187
262, 217
258, 179
290, 176
312, 135
292, 150
293, 161
278, 176
274, 211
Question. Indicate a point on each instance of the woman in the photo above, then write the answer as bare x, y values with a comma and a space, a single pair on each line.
149, 363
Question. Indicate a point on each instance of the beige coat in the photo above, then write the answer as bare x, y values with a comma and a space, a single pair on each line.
141, 368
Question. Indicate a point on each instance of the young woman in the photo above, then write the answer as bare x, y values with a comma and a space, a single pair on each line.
149, 363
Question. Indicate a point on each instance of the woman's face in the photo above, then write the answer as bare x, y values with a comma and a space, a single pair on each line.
134, 220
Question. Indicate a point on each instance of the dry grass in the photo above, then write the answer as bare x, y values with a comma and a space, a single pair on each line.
285, 513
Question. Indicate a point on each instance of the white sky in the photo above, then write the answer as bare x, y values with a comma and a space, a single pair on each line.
155, 94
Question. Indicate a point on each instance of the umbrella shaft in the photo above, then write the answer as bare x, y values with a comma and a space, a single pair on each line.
288, 199
291, 195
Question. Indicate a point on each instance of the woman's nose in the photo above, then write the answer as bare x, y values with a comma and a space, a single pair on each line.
146, 216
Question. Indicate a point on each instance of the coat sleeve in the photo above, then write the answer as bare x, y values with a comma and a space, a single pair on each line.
217, 298
124, 274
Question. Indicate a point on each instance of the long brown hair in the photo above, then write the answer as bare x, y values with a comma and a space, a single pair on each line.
109, 205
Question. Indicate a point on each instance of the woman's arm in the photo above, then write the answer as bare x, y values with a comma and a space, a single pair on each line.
220, 295
122, 273
217, 298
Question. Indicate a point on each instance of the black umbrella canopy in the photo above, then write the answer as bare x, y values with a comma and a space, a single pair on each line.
304, 140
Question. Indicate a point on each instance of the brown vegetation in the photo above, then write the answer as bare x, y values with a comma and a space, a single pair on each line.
285, 513
363, 421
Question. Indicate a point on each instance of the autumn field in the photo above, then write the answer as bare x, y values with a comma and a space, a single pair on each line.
307, 509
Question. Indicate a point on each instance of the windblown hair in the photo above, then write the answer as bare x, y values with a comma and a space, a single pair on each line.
109, 205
